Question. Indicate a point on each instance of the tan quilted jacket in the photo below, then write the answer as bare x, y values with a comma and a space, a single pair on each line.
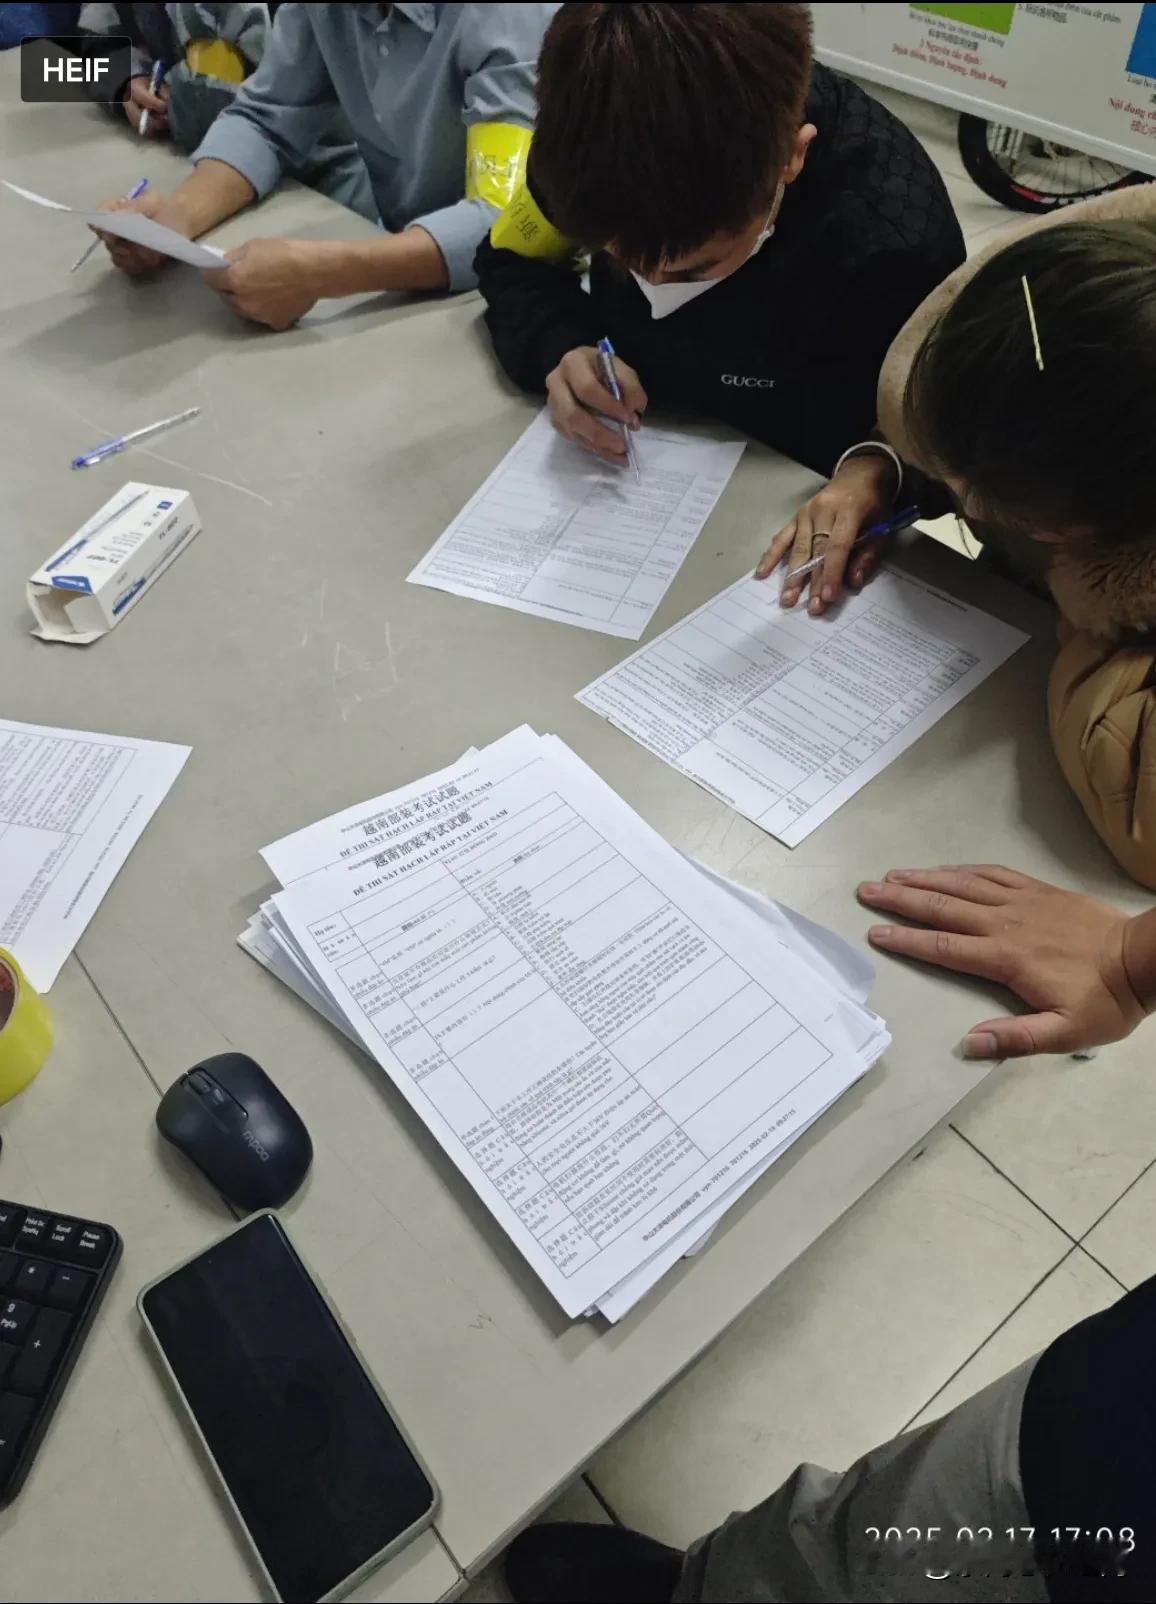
1102, 692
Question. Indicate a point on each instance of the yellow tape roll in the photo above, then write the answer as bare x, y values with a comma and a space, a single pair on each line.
25, 1029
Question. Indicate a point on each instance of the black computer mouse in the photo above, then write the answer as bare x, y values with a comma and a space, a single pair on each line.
227, 1117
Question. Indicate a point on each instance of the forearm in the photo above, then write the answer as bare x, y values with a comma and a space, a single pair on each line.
212, 192
410, 260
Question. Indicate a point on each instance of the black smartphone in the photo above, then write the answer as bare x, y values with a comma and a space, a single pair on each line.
321, 1475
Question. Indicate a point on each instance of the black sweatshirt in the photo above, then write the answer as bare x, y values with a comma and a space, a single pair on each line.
788, 348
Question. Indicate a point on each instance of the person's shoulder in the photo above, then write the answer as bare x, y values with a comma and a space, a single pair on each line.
874, 179
499, 23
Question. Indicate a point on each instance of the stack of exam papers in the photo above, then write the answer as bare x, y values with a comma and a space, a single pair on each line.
610, 1041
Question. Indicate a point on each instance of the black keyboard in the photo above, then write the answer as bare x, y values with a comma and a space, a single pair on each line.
53, 1274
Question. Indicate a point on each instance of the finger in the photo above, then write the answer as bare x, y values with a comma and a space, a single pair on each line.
828, 581
776, 551
584, 427
633, 395
969, 955
819, 548
1001, 876
934, 908
963, 883
152, 102
864, 564
587, 386
1020, 1036
801, 552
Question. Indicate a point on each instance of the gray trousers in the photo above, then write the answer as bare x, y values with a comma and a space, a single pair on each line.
926, 1515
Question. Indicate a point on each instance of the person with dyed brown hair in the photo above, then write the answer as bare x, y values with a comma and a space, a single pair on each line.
696, 148
1022, 395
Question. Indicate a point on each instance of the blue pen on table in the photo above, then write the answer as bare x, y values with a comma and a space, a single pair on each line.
606, 358
110, 447
155, 79
889, 526
136, 190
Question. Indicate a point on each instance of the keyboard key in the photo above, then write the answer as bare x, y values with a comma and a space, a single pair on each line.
32, 1278
33, 1234
68, 1289
92, 1246
31, 1371
15, 1413
14, 1318
53, 1274
62, 1238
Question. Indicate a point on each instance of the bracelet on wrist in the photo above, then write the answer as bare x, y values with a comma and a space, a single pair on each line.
877, 448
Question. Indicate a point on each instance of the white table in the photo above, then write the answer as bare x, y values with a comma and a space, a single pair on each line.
285, 647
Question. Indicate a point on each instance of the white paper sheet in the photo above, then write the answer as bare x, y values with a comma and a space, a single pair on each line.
132, 226
556, 533
785, 716
591, 1032
72, 807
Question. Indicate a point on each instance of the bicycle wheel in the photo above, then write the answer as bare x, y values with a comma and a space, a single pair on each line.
1029, 174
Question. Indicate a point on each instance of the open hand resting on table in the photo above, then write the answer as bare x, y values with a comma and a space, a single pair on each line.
860, 494
1086, 971
577, 395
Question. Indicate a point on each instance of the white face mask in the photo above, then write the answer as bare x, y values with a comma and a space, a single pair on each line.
667, 298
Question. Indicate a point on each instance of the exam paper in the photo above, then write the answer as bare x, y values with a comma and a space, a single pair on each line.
72, 807
556, 533
595, 1035
785, 716
132, 226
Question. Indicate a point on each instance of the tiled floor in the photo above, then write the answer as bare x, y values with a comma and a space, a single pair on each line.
1035, 1209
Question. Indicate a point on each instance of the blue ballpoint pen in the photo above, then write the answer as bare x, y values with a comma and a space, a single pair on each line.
87, 459
606, 358
136, 191
155, 79
889, 526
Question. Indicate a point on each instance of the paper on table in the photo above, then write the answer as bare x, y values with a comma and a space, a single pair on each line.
837, 961
785, 716
72, 807
577, 1017
133, 226
851, 973
556, 533
848, 969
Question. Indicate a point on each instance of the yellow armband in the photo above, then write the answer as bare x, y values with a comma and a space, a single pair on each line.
217, 58
495, 161
523, 229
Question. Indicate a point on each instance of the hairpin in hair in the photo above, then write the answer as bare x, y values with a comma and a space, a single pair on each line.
1032, 321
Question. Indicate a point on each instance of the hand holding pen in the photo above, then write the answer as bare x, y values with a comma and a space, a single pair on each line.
584, 407
155, 110
610, 378
823, 538
134, 193
888, 526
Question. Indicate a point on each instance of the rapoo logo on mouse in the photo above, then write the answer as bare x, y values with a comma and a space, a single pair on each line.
74, 67
748, 381
251, 1141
